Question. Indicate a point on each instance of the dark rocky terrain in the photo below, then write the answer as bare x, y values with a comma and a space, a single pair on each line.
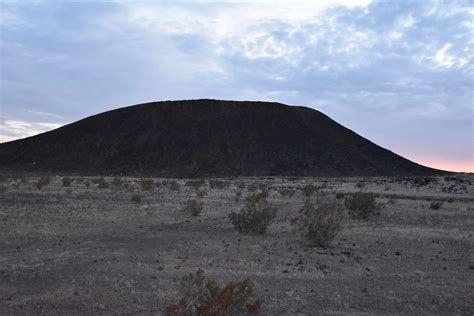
206, 138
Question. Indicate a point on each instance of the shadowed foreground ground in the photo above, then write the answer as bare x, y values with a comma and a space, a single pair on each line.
82, 249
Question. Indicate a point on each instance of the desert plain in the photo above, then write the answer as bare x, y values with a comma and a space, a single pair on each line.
107, 245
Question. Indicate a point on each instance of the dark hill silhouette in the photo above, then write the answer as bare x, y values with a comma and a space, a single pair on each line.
208, 138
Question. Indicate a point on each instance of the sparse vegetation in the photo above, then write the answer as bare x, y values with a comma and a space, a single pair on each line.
116, 182
101, 183
309, 190
218, 184
436, 205
66, 181
147, 184
173, 185
195, 184
320, 221
286, 192
206, 297
136, 198
193, 207
43, 181
362, 205
256, 215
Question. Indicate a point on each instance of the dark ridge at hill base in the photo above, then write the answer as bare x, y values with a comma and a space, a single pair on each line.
206, 138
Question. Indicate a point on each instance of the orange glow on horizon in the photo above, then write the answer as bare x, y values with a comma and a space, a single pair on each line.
448, 165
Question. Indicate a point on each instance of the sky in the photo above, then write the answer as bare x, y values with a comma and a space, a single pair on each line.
399, 73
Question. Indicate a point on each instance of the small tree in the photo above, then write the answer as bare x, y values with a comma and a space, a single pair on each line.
256, 215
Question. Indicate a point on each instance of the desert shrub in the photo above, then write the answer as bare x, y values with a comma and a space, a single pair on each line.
116, 182
309, 190
286, 192
136, 198
360, 185
66, 181
3, 189
252, 187
240, 185
87, 184
173, 185
339, 195
218, 184
436, 205
256, 215
195, 184
101, 183
201, 193
193, 207
147, 184
206, 297
362, 205
238, 194
320, 221
43, 181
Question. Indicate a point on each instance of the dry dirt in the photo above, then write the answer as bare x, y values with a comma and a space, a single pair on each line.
83, 249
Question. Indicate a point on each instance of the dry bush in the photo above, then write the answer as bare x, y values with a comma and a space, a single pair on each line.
173, 185
116, 182
43, 181
206, 297
286, 192
218, 184
362, 205
201, 193
240, 185
256, 215
101, 183
66, 181
136, 198
339, 195
147, 184
320, 221
195, 184
193, 207
436, 205
309, 190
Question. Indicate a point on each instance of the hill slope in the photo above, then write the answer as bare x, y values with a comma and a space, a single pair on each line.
206, 138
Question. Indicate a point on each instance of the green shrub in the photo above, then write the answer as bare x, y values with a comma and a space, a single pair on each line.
147, 184
43, 181
362, 205
320, 222
193, 207
206, 297
66, 181
256, 215
436, 205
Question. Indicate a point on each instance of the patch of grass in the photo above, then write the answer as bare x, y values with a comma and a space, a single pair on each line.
436, 205
147, 184
320, 221
207, 297
256, 215
193, 207
43, 181
66, 181
362, 205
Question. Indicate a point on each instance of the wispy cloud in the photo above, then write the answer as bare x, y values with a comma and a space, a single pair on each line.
12, 129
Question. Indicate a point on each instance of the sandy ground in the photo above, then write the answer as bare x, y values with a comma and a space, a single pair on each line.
82, 249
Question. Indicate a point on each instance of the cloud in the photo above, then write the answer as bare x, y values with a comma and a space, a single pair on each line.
11, 129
